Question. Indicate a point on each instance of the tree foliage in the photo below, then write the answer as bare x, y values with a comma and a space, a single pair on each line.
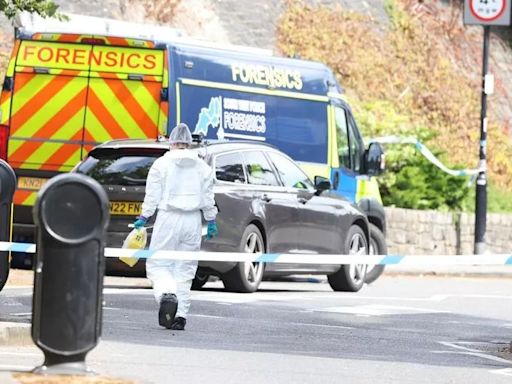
402, 78
45, 8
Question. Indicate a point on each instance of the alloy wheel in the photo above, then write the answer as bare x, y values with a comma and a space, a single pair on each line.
357, 247
253, 271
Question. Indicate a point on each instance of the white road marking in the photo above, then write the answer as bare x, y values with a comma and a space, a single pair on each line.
237, 298
22, 354
16, 287
118, 291
471, 352
322, 325
505, 371
6, 367
435, 298
207, 316
376, 310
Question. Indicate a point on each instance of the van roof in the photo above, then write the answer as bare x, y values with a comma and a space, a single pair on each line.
80, 24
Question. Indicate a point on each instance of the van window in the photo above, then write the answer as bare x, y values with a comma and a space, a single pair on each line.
230, 168
298, 128
291, 175
350, 147
356, 145
259, 170
342, 136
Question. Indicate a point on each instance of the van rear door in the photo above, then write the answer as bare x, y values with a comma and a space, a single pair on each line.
70, 97
48, 108
123, 99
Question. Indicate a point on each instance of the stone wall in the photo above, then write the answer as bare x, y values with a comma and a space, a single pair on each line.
414, 232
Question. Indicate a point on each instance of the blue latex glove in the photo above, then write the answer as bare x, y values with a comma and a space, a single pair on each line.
211, 230
140, 222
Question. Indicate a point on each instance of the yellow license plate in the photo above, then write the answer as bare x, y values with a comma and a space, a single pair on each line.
33, 183
125, 208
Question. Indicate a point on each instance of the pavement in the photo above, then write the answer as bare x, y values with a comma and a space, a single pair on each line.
19, 333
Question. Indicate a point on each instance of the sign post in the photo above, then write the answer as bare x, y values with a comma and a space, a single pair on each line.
485, 13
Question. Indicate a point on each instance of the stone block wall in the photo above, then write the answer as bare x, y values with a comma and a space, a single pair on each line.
414, 232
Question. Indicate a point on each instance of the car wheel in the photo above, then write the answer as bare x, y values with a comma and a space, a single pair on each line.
377, 247
199, 281
246, 277
350, 277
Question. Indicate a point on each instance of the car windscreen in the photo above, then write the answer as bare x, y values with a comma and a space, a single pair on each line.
120, 166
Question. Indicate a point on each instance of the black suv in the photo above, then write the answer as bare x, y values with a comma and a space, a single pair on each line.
266, 204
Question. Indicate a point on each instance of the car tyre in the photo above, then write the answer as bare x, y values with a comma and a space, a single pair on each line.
246, 277
350, 278
199, 281
377, 247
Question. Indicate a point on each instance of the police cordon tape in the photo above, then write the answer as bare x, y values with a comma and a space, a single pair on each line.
491, 259
427, 154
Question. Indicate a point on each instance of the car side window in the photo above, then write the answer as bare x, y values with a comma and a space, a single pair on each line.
259, 171
229, 167
291, 175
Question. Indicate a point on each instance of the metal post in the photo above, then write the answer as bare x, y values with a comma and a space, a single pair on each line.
71, 216
7, 187
481, 181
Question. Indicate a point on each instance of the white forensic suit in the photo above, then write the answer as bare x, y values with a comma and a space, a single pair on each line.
180, 185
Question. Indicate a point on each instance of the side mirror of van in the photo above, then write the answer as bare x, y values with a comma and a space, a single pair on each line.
374, 159
322, 184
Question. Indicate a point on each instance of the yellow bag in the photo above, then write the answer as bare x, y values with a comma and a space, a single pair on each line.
136, 239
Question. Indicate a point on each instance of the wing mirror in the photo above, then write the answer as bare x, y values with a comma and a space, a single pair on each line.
322, 184
374, 162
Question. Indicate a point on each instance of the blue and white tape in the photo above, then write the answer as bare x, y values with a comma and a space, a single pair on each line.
428, 154
492, 259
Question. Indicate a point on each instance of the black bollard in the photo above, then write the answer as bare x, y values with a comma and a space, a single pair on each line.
7, 187
71, 216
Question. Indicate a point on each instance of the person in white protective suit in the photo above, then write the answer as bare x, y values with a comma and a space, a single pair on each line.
180, 185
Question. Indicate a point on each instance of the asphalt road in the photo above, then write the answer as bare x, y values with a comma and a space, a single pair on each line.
398, 330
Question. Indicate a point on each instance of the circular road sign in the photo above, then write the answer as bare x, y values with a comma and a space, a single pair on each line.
487, 10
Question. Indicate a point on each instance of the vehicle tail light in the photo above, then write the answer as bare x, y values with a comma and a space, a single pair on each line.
4, 139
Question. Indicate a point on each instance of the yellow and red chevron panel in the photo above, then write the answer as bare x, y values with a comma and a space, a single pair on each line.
164, 104
5, 96
48, 112
121, 108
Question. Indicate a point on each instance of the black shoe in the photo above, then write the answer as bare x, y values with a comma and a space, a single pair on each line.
179, 324
167, 311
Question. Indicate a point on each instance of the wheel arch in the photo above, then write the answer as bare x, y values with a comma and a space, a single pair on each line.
375, 212
261, 227
363, 224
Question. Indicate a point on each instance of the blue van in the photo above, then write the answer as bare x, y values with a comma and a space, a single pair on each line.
296, 105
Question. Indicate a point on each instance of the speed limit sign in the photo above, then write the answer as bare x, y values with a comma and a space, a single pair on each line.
487, 12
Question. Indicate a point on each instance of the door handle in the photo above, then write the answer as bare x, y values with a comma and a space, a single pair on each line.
302, 200
266, 198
